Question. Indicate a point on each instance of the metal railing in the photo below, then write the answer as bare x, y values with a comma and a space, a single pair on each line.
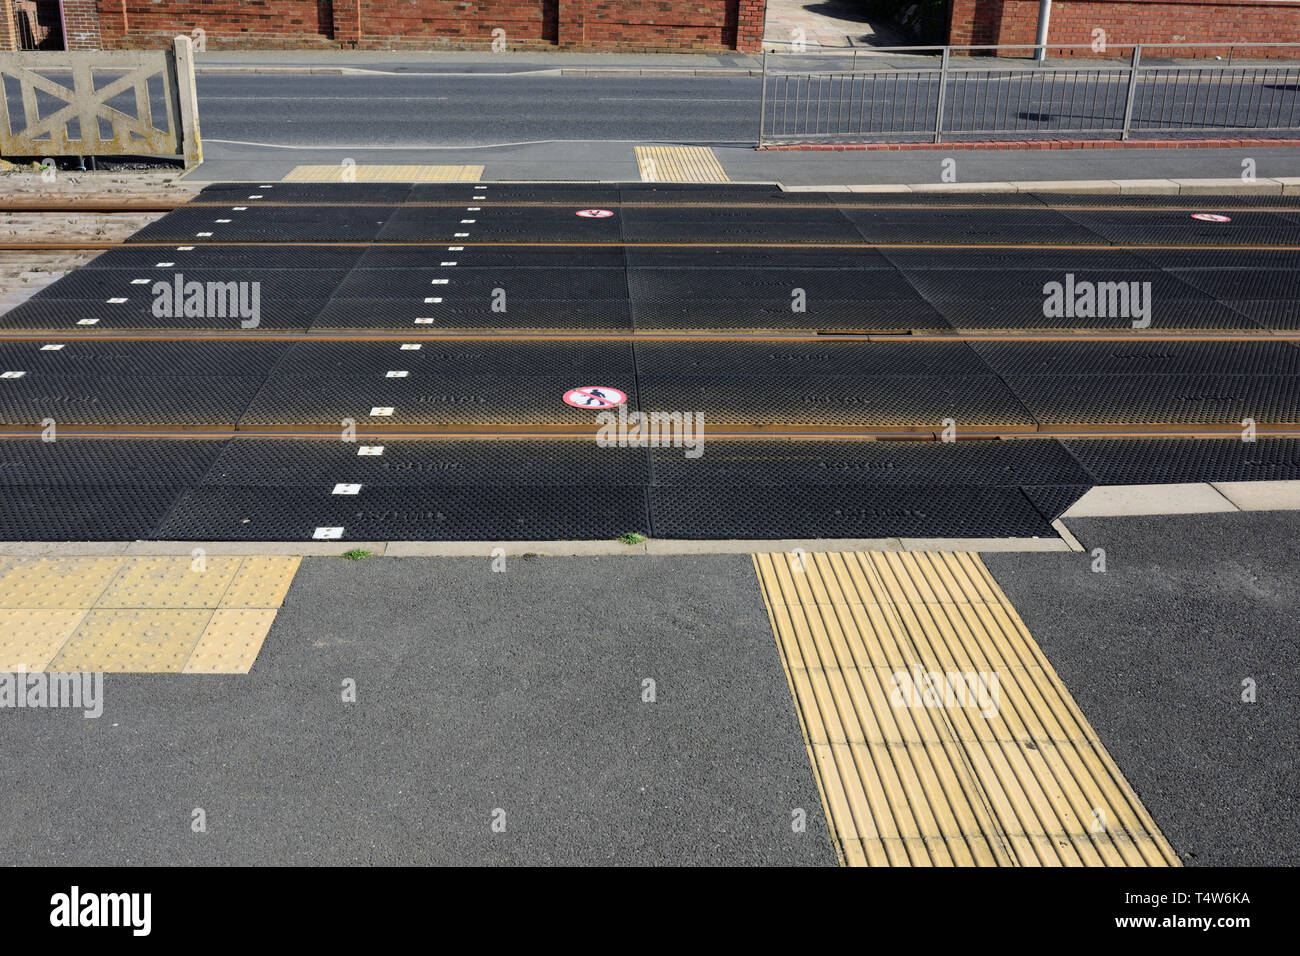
839, 97
113, 103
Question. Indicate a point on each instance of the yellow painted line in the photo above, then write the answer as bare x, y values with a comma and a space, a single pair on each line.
938, 732
338, 173
187, 614
679, 164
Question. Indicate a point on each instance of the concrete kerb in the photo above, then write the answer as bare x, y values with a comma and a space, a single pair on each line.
1283, 186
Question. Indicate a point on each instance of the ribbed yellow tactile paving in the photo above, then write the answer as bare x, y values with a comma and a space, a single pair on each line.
139, 614
994, 766
679, 164
368, 173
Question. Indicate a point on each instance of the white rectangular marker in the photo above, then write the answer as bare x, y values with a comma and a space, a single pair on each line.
115, 301
433, 300
139, 282
222, 220
254, 197
239, 209
410, 347
381, 411
462, 235
346, 489
467, 222
399, 373
327, 534
12, 374
87, 321
446, 263
164, 265
184, 248
424, 321
439, 281
455, 248
50, 348
370, 450
202, 234
474, 209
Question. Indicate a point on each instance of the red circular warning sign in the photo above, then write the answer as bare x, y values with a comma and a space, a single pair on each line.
1211, 217
594, 396
594, 213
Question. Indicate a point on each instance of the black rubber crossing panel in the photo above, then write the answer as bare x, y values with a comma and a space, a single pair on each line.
1052, 501
1280, 314
1177, 259
1245, 283
1163, 461
82, 315
336, 224
218, 257
240, 194
843, 511
778, 462
1028, 313
675, 285
425, 400
480, 256
456, 283
762, 226
130, 359
918, 401
581, 195
549, 314
967, 226
87, 512
904, 314
1097, 285
416, 464
1223, 400
117, 400
1138, 202
589, 361
1140, 358
446, 513
1149, 227
124, 462
103, 284
756, 258
995, 261
806, 359
535, 225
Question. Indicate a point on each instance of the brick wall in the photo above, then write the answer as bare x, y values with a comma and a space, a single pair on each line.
974, 22
629, 25
81, 25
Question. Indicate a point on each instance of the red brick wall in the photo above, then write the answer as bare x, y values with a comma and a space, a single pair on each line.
80, 25
975, 22
631, 25
8, 27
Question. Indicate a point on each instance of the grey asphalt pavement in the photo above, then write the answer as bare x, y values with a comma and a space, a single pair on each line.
1155, 650
476, 692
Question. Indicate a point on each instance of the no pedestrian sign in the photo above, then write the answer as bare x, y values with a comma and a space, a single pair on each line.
594, 396
1211, 217
594, 213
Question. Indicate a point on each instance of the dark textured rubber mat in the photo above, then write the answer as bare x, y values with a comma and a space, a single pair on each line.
1280, 314
219, 257
117, 400
1177, 259
1159, 399
534, 225
1140, 358
97, 462
1134, 227
240, 194
1189, 202
335, 224
1030, 314
843, 511
457, 283
698, 226
1245, 282
805, 286
130, 359
1117, 262
580, 194
968, 226
445, 513
1051, 501
590, 361
751, 258
866, 315
550, 314
922, 402
82, 512
1080, 286
481, 256
425, 400
807, 359
416, 464
779, 462
1161, 461
149, 285
141, 312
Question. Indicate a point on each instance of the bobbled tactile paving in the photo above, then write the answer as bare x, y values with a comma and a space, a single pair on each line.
481, 284
56, 583
417, 463
83, 512
463, 359
1140, 358
550, 314
137, 313
888, 402
30, 637
103, 284
370, 172
779, 462
446, 513
111, 462
1151, 461
829, 358
427, 400
1026, 226
230, 642
219, 257
107, 357
855, 315
170, 582
1222, 400
842, 511
137, 640
113, 400
1053, 500
262, 581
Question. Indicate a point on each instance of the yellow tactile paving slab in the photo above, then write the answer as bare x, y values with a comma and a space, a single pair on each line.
368, 173
679, 164
192, 614
938, 731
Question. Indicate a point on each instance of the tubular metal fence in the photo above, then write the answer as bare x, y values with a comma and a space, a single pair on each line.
840, 97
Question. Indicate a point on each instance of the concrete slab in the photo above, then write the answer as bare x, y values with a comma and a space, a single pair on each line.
1261, 495
1069, 186
1290, 185
991, 187
1260, 187
325, 548
984, 544
1118, 500
666, 546
1147, 187
881, 188
485, 549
